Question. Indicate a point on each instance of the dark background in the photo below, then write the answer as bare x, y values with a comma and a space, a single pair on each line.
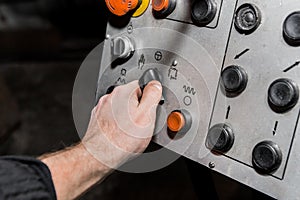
42, 44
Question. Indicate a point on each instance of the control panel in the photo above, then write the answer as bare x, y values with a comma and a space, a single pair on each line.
230, 72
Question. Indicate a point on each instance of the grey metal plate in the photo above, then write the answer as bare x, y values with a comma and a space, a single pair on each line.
201, 53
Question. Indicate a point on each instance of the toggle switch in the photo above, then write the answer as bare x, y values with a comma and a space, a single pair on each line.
283, 94
220, 138
179, 121
122, 47
162, 8
266, 157
291, 29
122, 7
203, 11
148, 76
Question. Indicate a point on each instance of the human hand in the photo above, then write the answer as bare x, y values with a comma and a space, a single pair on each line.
122, 123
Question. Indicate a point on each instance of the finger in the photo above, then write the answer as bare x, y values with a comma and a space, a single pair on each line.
151, 95
100, 103
130, 92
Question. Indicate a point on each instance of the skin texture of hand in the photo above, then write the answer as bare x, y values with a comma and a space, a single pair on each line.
121, 127
123, 123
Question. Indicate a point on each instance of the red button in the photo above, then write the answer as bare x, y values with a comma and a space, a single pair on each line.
160, 5
121, 7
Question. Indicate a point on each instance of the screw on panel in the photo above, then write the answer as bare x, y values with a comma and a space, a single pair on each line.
175, 63
211, 165
107, 36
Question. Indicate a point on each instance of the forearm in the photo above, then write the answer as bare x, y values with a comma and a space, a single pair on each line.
74, 171
113, 137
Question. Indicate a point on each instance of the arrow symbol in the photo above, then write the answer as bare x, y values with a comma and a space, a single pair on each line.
240, 54
275, 128
228, 111
292, 66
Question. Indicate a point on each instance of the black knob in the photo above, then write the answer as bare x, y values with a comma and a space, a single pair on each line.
234, 80
247, 18
110, 89
291, 29
283, 94
220, 138
203, 11
148, 76
266, 157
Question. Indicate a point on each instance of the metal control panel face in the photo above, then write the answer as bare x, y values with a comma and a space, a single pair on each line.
230, 74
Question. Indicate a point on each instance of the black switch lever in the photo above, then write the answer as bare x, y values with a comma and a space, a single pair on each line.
148, 76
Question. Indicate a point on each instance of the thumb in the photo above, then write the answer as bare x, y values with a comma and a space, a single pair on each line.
151, 95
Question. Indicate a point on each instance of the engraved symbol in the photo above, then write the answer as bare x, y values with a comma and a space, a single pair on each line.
122, 78
228, 111
187, 100
292, 66
275, 128
189, 90
141, 62
158, 56
173, 73
130, 28
240, 54
123, 72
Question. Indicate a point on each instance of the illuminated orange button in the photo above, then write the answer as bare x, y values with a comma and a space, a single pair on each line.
176, 121
160, 5
121, 7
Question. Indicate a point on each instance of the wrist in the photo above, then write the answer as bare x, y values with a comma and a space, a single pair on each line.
94, 164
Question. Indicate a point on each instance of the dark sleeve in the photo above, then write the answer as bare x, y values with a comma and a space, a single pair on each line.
25, 178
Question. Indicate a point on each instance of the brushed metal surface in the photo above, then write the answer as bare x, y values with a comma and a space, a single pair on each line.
200, 53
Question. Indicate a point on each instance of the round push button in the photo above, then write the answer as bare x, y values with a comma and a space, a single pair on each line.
176, 121
162, 8
203, 12
283, 94
121, 7
266, 157
220, 138
234, 80
179, 122
247, 18
291, 29
160, 5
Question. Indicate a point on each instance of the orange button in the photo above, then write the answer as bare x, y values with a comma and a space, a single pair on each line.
176, 121
121, 7
160, 5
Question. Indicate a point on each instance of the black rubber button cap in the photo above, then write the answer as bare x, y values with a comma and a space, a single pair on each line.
234, 80
283, 95
220, 138
247, 18
203, 12
266, 157
291, 29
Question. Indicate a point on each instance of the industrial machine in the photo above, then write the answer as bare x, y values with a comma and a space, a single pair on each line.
230, 74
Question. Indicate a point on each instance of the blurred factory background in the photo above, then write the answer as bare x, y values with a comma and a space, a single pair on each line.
42, 44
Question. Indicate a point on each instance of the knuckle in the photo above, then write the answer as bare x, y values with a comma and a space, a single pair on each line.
103, 100
118, 89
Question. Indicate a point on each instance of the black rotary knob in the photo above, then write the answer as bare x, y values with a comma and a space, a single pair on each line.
247, 18
233, 80
283, 94
291, 29
203, 11
266, 157
220, 138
